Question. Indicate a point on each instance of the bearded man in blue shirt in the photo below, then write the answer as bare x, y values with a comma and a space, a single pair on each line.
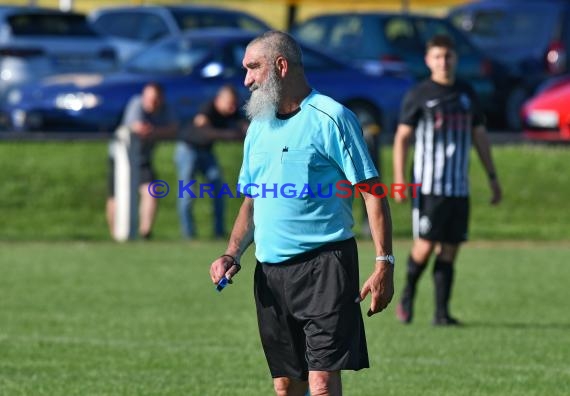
307, 277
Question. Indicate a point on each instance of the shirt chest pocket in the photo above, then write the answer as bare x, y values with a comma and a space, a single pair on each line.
296, 166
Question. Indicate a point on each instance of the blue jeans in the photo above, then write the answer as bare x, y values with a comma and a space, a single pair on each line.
189, 161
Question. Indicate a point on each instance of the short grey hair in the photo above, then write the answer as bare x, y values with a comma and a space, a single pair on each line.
279, 43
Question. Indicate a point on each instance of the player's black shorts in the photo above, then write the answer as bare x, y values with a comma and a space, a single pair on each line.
441, 219
146, 174
307, 315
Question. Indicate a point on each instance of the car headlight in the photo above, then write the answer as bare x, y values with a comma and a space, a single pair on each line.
77, 101
543, 118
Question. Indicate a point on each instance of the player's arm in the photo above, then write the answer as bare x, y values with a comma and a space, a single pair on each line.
203, 129
133, 118
483, 147
380, 284
401, 145
167, 131
240, 238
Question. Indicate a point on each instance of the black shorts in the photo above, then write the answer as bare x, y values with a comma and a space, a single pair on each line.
441, 219
307, 315
146, 174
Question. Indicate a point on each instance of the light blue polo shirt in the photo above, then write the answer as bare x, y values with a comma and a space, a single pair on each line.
292, 169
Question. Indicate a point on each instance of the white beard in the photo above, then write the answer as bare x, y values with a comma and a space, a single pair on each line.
264, 99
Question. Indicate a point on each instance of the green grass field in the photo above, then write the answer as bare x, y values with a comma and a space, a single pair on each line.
80, 315
57, 191
143, 319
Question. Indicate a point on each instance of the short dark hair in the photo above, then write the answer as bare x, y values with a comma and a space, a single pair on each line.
156, 86
229, 88
440, 40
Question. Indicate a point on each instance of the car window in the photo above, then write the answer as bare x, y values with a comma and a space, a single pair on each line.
427, 28
250, 24
193, 20
171, 57
118, 24
151, 27
237, 54
231, 58
313, 31
515, 27
401, 35
345, 36
49, 25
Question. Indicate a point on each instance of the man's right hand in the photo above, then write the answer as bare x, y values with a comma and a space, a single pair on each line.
496, 191
223, 266
142, 129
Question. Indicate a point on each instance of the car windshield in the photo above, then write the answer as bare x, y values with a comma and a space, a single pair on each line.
345, 36
428, 28
190, 19
50, 25
518, 27
171, 57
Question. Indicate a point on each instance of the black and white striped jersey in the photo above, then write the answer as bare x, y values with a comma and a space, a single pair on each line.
443, 118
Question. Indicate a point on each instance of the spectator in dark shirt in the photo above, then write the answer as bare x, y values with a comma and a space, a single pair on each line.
219, 119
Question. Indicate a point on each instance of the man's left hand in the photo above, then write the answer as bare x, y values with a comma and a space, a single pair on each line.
381, 286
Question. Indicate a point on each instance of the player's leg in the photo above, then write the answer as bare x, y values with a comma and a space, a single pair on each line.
285, 386
322, 296
281, 335
446, 254
443, 275
110, 214
147, 211
185, 159
325, 383
110, 205
148, 204
424, 236
213, 174
416, 265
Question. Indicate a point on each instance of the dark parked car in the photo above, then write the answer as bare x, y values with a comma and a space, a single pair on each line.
373, 40
37, 42
531, 37
131, 28
191, 67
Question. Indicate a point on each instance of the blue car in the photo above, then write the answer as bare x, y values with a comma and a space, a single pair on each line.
191, 68
373, 40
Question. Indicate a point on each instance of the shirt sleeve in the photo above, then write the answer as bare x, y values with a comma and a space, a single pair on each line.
207, 109
410, 111
133, 111
348, 149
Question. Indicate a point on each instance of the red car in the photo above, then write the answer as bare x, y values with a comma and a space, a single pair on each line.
546, 116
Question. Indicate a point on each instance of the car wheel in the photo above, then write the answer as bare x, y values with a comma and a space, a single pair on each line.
513, 106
